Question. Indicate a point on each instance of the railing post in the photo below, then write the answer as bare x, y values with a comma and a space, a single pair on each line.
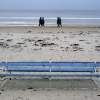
50, 69
6, 64
95, 66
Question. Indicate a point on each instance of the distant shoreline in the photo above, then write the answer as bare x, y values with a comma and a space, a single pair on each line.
51, 21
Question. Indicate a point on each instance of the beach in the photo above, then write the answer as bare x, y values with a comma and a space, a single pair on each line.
31, 43
44, 89
50, 62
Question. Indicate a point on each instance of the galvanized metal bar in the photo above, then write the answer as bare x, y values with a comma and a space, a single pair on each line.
44, 63
67, 69
55, 75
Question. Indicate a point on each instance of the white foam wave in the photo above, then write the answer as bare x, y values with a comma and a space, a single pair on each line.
46, 18
30, 21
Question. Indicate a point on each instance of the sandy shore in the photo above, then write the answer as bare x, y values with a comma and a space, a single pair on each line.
27, 43
50, 95
50, 43
21, 89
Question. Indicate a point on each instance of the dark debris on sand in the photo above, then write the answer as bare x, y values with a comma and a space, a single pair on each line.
16, 46
76, 47
4, 45
98, 95
97, 48
29, 40
43, 43
30, 88
9, 40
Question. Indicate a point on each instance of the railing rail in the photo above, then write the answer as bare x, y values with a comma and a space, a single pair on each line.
46, 66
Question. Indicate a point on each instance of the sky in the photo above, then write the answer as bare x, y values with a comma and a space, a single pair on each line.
50, 4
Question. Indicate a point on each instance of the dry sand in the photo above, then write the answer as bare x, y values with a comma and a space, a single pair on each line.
50, 43
50, 95
21, 89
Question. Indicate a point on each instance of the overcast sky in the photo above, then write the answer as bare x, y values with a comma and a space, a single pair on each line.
51, 4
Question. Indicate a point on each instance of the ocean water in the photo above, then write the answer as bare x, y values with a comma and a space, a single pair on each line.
31, 17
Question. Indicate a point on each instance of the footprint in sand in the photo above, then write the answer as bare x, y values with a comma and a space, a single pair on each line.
20, 98
29, 40
96, 41
16, 46
9, 40
29, 31
49, 32
88, 42
81, 40
1, 39
81, 33
60, 32
20, 43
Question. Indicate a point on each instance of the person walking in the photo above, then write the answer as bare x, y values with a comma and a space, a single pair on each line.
59, 22
41, 21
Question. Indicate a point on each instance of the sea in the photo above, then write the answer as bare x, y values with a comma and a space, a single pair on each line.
31, 17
